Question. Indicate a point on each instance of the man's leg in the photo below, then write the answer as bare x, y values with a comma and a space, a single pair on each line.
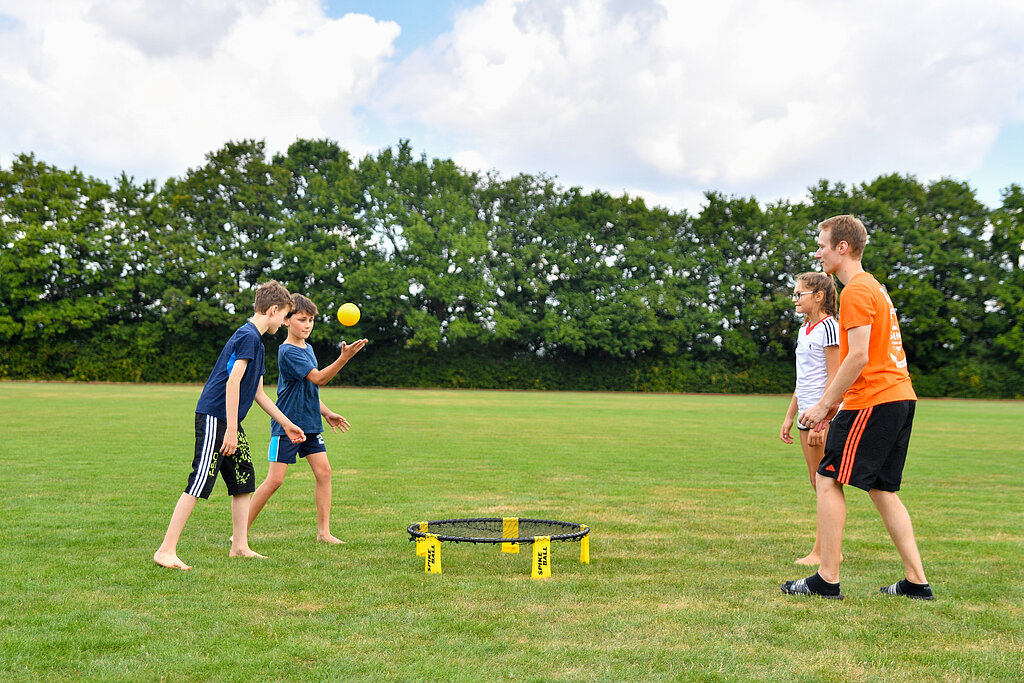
831, 522
897, 522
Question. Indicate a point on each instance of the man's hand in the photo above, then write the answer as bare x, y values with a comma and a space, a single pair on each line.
811, 420
813, 416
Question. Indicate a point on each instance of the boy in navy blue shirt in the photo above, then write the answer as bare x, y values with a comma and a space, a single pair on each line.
236, 380
298, 397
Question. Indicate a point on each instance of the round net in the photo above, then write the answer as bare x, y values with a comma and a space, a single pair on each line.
491, 530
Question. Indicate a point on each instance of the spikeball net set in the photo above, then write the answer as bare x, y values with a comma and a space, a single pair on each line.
510, 532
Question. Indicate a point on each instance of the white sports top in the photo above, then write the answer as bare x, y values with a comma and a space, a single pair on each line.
811, 372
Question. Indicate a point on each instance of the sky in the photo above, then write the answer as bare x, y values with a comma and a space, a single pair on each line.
661, 99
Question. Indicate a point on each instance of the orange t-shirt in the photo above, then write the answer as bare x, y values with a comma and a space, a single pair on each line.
884, 379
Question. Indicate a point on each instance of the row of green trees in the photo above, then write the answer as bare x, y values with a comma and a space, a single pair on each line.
478, 280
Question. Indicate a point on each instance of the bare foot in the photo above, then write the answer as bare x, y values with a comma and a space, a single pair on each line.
170, 560
246, 552
329, 538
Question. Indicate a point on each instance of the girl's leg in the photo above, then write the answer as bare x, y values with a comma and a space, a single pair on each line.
275, 477
322, 495
813, 456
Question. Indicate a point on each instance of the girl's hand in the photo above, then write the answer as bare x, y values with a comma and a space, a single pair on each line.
787, 427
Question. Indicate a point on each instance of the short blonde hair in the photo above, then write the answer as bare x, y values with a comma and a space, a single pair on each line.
272, 293
846, 228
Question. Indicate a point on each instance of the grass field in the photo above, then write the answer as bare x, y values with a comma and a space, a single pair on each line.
697, 511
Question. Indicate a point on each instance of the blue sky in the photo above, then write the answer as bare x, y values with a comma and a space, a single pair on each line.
422, 21
662, 99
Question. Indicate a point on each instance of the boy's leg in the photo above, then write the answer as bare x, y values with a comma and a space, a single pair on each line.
897, 522
275, 477
167, 554
240, 536
321, 467
240, 478
206, 462
831, 521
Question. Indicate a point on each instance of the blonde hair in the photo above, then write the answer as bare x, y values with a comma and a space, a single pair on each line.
269, 294
820, 282
846, 228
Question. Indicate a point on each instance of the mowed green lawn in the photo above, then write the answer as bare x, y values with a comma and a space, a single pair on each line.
697, 511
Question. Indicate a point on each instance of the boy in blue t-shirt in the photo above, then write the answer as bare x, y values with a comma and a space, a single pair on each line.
235, 382
298, 397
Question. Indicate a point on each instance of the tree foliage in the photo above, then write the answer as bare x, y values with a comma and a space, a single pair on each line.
469, 279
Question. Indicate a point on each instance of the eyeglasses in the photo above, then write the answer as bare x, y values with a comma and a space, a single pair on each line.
796, 295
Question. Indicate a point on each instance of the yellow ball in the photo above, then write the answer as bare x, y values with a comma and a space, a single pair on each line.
348, 314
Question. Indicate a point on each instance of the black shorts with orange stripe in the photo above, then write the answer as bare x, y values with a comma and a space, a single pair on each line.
867, 448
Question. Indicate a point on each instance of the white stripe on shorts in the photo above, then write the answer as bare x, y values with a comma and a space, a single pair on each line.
206, 456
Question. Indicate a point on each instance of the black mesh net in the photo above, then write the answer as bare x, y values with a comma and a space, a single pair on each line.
492, 530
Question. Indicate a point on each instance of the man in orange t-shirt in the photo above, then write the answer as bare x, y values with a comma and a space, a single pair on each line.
868, 439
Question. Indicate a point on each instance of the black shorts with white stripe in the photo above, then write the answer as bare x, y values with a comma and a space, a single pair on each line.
237, 469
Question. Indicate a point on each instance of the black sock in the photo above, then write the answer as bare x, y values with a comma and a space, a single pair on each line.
908, 588
821, 586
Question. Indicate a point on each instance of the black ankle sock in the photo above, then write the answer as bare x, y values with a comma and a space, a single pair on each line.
908, 588
821, 586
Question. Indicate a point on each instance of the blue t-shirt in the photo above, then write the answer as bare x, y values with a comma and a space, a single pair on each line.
246, 343
297, 397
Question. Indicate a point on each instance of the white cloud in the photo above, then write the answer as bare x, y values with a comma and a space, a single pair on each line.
144, 84
661, 98
753, 98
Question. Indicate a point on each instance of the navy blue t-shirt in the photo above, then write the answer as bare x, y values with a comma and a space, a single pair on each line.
297, 397
245, 343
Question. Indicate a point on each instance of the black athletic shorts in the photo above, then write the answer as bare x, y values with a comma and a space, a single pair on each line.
236, 469
867, 448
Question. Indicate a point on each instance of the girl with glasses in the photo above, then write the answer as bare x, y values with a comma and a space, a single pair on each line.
817, 359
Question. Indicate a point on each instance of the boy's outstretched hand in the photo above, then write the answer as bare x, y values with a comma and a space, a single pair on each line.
295, 434
349, 350
339, 424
